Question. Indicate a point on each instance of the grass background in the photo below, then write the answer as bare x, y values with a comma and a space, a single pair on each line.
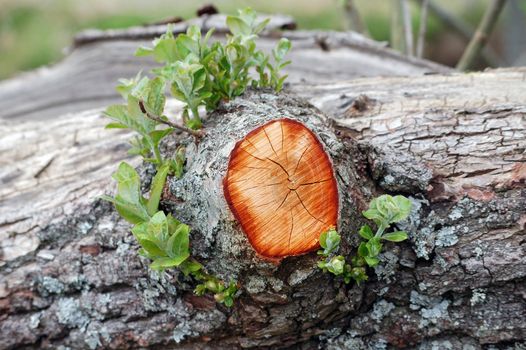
35, 32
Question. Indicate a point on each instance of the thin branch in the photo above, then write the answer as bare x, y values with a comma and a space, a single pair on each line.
408, 30
353, 20
195, 133
422, 29
462, 28
397, 37
482, 34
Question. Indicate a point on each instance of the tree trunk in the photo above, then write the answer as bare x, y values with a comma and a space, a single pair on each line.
455, 144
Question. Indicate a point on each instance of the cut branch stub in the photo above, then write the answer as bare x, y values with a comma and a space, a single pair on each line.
281, 188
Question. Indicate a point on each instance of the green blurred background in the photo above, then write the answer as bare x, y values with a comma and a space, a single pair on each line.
36, 32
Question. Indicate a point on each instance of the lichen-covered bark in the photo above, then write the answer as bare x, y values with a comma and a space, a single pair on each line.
459, 280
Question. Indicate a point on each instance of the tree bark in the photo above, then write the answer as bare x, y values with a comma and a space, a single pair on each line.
455, 144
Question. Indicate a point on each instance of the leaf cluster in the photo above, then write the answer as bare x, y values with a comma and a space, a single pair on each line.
384, 210
148, 93
336, 264
201, 74
162, 238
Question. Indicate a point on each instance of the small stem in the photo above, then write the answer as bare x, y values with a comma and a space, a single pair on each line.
481, 35
158, 155
380, 231
195, 114
196, 134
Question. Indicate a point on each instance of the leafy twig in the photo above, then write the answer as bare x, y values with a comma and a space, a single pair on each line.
482, 34
384, 211
196, 133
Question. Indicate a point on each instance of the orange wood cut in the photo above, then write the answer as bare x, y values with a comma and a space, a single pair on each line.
281, 188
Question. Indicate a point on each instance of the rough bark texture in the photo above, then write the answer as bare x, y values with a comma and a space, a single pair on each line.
455, 144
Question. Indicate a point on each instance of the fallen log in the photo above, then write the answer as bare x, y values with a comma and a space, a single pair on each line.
454, 143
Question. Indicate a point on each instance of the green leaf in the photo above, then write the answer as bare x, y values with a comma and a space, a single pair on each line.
158, 227
143, 51
155, 98
386, 209
115, 126
330, 241
229, 301
166, 51
190, 267
131, 116
366, 232
282, 48
259, 28
237, 26
157, 135
248, 15
336, 265
397, 236
160, 264
177, 164
403, 206
374, 247
359, 274
187, 45
363, 251
129, 183
126, 86
371, 261
157, 188
133, 213
179, 242
151, 248
129, 201
375, 215
173, 223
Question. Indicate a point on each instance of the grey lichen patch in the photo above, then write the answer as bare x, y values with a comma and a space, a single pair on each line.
275, 283
446, 237
434, 313
346, 341
300, 275
34, 321
193, 324
95, 333
157, 291
381, 309
386, 270
397, 171
418, 301
70, 314
478, 296
255, 284
48, 285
